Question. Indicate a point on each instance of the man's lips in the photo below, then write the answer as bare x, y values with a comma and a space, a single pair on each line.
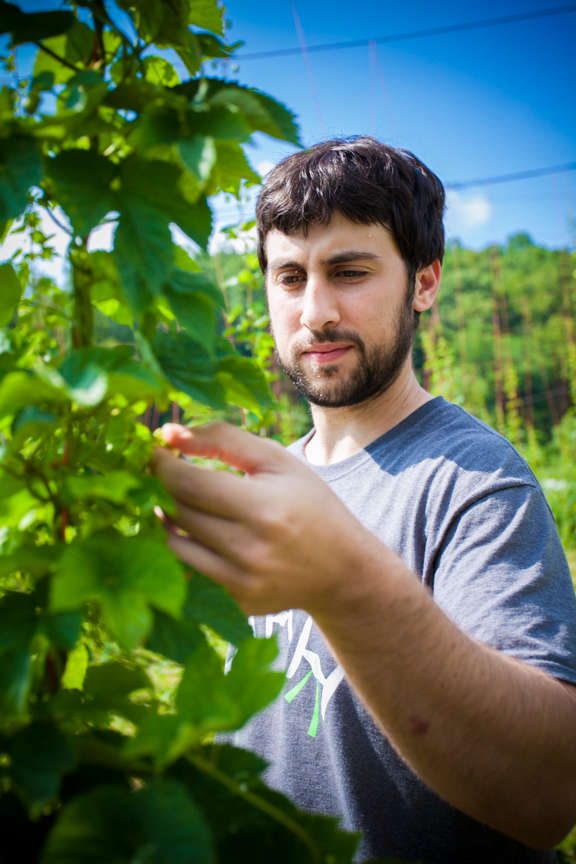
327, 352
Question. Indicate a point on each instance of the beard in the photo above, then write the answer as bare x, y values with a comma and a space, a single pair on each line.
377, 367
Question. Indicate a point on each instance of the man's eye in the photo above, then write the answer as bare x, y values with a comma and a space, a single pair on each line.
290, 279
349, 273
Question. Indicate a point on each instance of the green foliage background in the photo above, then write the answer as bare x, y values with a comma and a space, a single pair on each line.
500, 342
112, 686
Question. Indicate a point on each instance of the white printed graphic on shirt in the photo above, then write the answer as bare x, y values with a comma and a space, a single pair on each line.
303, 656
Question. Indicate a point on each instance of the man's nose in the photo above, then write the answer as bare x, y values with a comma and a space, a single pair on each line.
320, 307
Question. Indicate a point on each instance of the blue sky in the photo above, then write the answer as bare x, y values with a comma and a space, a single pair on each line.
475, 103
472, 104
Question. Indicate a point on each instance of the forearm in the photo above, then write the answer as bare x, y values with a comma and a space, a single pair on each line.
494, 737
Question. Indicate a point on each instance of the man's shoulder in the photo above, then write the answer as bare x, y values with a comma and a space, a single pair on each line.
443, 433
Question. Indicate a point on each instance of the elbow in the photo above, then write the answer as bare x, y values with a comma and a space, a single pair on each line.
547, 831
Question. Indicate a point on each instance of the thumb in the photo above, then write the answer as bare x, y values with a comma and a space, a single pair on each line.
230, 445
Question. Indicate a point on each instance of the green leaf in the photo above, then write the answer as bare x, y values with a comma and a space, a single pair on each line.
209, 603
112, 486
22, 388
212, 46
111, 683
157, 184
75, 46
32, 26
138, 95
15, 684
92, 374
20, 170
262, 112
40, 754
10, 293
188, 367
18, 621
63, 629
143, 253
207, 14
199, 155
259, 112
224, 122
76, 667
27, 557
244, 383
121, 575
159, 823
231, 169
81, 181
176, 639
87, 382
163, 737
237, 801
159, 71
17, 506
191, 298
214, 701
32, 421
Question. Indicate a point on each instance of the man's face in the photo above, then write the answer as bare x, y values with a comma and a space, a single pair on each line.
341, 310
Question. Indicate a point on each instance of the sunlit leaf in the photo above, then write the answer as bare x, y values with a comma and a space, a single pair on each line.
75, 47
122, 575
208, 14
231, 169
213, 700
10, 293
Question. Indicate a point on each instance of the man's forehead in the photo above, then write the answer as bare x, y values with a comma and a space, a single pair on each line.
339, 239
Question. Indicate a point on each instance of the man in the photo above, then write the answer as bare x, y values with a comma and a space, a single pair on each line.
402, 552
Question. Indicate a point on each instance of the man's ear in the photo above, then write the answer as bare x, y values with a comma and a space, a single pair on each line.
427, 285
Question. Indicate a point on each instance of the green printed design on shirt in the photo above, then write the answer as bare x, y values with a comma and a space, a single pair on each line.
293, 693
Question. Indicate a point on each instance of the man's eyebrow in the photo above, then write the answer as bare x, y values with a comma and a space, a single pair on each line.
338, 258
285, 264
350, 255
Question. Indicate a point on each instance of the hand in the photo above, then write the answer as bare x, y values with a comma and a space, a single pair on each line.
276, 538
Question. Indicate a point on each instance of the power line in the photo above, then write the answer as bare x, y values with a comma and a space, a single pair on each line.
516, 175
413, 34
226, 212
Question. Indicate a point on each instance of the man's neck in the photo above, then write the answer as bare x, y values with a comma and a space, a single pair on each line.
341, 432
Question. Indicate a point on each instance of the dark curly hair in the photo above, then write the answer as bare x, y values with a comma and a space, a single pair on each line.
367, 182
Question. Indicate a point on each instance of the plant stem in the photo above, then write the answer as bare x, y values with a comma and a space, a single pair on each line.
83, 326
258, 802
57, 57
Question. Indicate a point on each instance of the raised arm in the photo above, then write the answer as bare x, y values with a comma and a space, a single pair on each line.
494, 737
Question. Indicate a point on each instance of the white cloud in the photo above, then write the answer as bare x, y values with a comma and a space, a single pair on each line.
264, 168
466, 210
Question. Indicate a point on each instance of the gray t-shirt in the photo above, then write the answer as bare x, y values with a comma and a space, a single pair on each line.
465, 512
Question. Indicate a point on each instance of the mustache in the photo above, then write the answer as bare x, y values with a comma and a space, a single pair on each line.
319, 336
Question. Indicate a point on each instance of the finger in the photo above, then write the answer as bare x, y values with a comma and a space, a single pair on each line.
217, 492
223, 536
207, 562
230, 445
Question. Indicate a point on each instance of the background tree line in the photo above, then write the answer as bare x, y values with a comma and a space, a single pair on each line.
500, 342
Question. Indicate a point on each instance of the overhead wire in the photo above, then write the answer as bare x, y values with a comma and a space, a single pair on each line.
511, 177
412, 34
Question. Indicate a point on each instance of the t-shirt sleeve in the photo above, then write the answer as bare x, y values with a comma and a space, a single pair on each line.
501, 575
